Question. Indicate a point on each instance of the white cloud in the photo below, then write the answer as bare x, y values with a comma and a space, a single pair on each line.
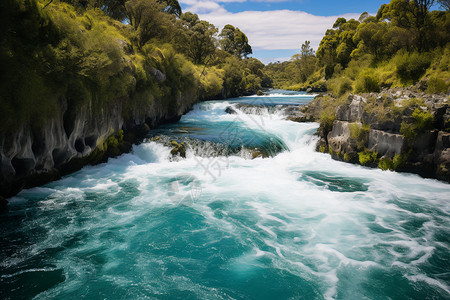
268, 60
278, 29
200, 7
267, 30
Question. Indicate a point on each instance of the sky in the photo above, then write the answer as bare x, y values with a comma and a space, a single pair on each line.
277, 28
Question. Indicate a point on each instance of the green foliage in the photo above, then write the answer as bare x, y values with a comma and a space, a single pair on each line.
326, 122
367, 83
421, 121
339, 85
348, 157
411, 66
196, 38
395, 44
437, 85
211, 83
359, 133
234, 41
299, 69
78, 56
242, 76
149, 20
399, 160
386, 164
367, 157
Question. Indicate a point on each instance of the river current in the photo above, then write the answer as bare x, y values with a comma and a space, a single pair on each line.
252, 212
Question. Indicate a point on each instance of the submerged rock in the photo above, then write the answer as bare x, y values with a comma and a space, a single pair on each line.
230, 110
178, 149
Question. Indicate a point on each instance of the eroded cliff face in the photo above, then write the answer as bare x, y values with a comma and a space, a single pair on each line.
368, 133
32, 156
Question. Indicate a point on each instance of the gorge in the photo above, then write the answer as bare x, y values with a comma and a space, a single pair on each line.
219, 224
147, 153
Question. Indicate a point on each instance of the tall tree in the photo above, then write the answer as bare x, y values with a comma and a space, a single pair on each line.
306, 49
305, 62
196, 38
149, 20
420, 10
234, 41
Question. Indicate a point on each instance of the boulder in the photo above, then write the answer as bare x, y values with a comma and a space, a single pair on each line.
158, 75
230, 110
178, 149
352, 112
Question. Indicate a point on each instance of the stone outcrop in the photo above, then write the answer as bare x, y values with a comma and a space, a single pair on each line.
384, 143
339, 137
73, 138
360, 127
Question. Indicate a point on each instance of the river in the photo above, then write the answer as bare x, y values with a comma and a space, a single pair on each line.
252, 212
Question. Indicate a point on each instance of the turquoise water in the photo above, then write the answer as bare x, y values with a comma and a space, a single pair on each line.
296, 225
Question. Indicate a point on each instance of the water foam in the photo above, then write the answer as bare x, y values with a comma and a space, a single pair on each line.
298, 224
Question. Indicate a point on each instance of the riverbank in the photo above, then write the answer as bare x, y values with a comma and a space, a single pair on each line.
401, 129
78, 85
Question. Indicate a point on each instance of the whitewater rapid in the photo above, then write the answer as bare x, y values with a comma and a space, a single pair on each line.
295, 225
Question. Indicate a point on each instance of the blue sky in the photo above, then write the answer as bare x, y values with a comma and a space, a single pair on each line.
277, 28
320, 8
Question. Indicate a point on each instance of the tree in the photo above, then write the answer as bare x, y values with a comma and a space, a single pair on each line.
326, 53
363, 16
409, 14
420, 9
196, 38
372, 37
149, 20
339, 22
302, 65
234, 41
173, 7
306, 49
445, 4
113, 8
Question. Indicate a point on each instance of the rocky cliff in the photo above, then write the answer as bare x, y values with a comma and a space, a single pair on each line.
31, 155
399, 129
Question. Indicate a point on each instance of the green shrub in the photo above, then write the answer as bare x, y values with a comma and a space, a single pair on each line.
326, 122
348, 157
386, 164
411, 66
345, 85
399, 160
437, 85
367, 83
367, 157
360, 134
422, 120
408, 131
